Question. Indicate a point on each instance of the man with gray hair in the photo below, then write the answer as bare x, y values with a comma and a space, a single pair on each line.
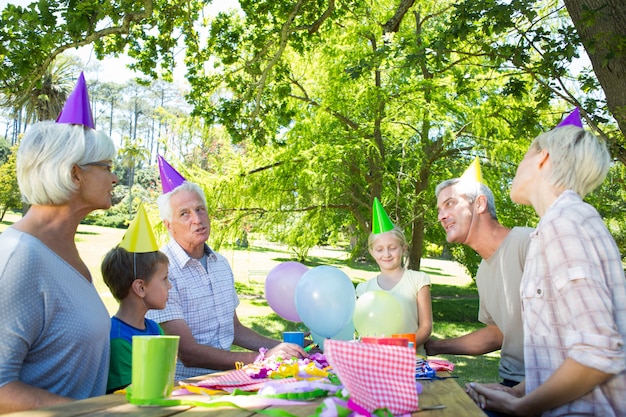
202, 302
467, 213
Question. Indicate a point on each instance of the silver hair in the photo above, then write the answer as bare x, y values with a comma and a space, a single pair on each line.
470, 190
163, 201
47, 154
580, 160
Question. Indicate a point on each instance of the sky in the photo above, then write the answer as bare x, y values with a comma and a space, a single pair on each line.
115, 69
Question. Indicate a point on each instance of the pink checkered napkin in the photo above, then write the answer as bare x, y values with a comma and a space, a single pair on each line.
376, 376
239, 379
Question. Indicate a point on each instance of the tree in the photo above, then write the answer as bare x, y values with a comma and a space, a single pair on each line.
110, 95
56, 26
355, 113
538, 37
5, 151
601, 26
330, 104
47, 97
10, 197
132, 155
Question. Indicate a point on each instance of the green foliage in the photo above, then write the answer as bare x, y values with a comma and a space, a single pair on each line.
330, 136
10, 197
610, 200
34, 36
309, 110
5, 151
148, 178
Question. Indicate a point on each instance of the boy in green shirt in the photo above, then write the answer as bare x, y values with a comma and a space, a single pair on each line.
136, 273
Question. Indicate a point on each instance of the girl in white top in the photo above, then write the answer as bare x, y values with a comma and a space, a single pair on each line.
411, 288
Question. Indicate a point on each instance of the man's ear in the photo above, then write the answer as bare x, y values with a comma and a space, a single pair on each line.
138, 287
481, 203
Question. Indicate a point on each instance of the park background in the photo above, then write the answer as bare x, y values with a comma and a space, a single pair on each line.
294, 116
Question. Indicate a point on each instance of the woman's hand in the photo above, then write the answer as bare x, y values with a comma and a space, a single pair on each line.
495, 397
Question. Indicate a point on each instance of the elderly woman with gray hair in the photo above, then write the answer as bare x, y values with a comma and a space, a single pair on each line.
54, 332
573, 288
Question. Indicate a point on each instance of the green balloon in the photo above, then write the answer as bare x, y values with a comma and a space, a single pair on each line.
377, 314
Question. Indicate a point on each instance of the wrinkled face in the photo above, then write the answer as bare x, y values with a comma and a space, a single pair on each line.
96, 184
157, 287
455, 214
190, 225
387, 251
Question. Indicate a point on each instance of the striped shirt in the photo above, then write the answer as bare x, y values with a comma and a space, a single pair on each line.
204, 298
574, 304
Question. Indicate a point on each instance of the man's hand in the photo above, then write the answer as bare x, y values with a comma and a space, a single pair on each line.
286, 351
430, 346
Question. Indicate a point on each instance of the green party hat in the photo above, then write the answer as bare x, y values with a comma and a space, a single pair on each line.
139, 237
472, 173
380, 220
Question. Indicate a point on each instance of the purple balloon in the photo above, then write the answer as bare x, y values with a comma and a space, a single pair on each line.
280, 289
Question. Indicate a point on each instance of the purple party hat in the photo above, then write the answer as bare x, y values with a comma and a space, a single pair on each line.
77, 109
572, 119
170, 178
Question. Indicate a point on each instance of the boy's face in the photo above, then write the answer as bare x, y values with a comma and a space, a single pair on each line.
156, 288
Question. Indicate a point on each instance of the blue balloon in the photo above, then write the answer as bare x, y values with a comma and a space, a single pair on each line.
325, 300
347, 333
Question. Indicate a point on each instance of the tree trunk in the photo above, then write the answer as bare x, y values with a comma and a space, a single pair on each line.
417, 243
601, 25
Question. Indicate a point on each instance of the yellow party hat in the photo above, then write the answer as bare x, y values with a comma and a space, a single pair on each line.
472, 173
139, 237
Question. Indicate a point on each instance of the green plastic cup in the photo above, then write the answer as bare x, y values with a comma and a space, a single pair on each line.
154, 367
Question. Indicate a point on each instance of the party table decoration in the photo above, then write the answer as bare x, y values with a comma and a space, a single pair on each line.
276, 371
376, 376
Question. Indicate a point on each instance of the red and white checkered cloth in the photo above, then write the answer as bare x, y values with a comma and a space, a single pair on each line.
376, 376
239, 379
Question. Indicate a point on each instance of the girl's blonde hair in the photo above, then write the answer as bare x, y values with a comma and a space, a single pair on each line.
396, 232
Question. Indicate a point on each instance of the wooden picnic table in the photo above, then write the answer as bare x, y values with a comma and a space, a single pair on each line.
439, 391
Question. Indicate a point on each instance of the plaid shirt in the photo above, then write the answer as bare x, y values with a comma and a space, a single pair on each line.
574, 304
206, 300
